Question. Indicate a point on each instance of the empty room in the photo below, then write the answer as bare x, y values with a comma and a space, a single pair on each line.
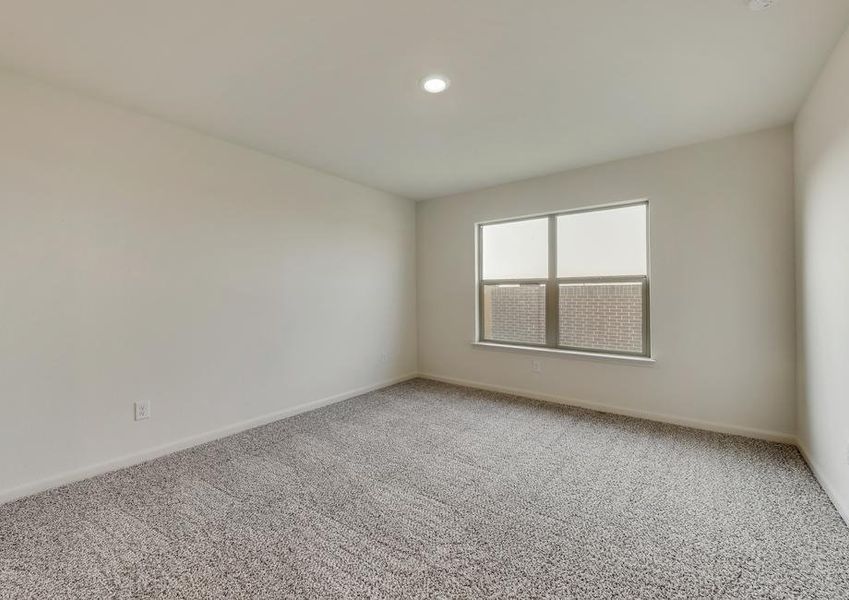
424, 299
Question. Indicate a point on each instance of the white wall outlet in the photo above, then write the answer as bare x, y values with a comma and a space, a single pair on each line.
142, 410
536, 366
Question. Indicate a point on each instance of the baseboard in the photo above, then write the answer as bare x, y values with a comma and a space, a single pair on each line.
841, 506
188, 442
129, 460
772, 436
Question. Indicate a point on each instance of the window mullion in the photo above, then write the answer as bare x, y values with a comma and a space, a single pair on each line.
551, 316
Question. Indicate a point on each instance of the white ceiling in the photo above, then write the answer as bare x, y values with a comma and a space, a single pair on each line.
537, 85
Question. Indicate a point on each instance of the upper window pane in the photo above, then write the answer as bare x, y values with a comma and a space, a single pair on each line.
515, 250
602, 242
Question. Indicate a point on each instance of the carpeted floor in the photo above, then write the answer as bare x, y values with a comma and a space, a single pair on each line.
424, 490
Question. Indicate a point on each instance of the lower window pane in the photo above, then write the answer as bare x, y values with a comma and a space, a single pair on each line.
514, 313
602, 316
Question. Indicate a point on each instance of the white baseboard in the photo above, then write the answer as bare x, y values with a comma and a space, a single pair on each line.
841, 506
188, 442
129, 460
772, 436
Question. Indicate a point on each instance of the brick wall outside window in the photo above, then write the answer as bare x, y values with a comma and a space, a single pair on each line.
602, 316
592, 316
515, 313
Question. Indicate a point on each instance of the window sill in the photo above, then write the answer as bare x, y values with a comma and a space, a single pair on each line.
621, 358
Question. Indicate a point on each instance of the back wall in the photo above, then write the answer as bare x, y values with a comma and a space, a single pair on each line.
722, 287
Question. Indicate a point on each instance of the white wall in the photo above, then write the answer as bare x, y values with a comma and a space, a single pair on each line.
141, 260
722, 295
822, 209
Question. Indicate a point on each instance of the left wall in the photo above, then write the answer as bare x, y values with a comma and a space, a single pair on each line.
144, 261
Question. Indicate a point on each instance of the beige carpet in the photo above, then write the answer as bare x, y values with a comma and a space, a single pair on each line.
424, 490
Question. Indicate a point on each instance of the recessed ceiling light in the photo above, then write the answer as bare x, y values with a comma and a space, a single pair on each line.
760, 4
435, 84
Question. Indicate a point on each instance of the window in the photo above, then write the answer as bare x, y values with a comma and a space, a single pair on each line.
572, 281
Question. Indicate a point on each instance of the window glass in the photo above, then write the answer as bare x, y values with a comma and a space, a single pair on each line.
515, 250
601, 316
602, 242
514, 313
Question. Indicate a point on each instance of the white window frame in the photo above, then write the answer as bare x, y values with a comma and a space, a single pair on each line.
552, 286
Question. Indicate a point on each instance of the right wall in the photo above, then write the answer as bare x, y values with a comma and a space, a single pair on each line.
822, 238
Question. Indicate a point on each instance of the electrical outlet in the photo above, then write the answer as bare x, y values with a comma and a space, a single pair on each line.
142, 410
536, 366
